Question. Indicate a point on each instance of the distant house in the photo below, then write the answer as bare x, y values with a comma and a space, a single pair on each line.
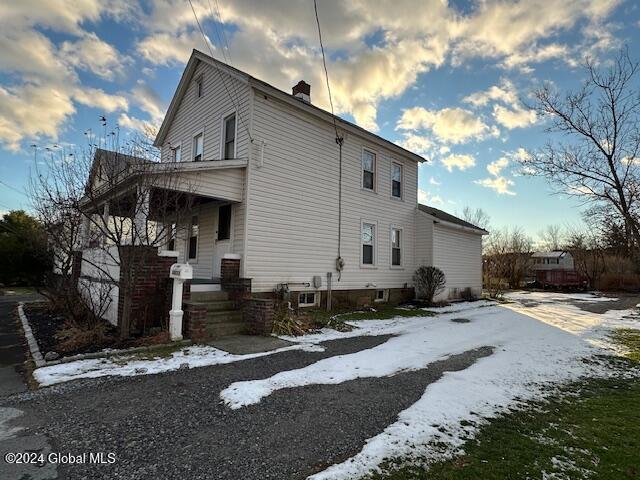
555, 269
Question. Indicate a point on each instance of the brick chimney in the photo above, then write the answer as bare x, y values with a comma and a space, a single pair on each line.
302, 91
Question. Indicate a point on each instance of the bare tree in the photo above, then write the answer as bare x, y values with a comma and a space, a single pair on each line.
596, 158
588, 251
551, 238
429, 281
477, 217
111, 201
506, 260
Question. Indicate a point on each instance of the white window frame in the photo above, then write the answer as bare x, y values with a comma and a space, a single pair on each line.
223, 133
375, 244
401, 230
395, 163
199, 82
385, 295
172, 150
375, 170
316, 299
193, 146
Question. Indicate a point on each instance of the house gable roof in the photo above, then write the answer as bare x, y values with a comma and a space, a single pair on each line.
197, 56
448, 218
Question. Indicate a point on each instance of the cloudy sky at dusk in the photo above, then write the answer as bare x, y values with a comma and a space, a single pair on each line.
447, 80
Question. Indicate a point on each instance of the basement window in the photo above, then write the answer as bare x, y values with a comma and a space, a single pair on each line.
307, 299
382, 295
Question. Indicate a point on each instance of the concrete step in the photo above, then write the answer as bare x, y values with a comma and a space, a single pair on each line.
209, 296
219, 305
224, 316
222, 329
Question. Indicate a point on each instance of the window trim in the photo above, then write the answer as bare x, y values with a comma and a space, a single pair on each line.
394, 163
375, 244
223, 133
188, 240
172, 149
375, 169
199, 82
193, 146
316, 299
401, 230
385, 295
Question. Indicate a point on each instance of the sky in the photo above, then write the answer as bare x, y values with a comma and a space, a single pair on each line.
450, 81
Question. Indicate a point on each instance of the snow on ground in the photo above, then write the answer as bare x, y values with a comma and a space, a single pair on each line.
126, 366
534, 346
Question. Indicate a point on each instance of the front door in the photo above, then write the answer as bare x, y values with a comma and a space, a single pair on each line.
222, 236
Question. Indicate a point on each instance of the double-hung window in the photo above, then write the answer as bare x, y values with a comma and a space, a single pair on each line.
368, 170
193, 238
396, 180
230, 137
368, 243
176, 153
198, 145
396, 247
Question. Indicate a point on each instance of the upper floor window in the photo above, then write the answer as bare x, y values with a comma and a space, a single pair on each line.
230, 137
198, 145
199, 87
396, 180
396, 247
176, 153
368, 170
368, 243
193, 238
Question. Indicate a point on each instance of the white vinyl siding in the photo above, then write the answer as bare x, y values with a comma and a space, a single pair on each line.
424, 240
293, 204
205, 114
459, 255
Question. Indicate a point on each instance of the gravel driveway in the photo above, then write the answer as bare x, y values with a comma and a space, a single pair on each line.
173, 425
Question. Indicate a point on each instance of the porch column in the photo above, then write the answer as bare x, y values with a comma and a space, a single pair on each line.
141, 214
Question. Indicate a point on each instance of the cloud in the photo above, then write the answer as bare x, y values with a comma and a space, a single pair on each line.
433, 181
95, 55
427, 198
505, 93
461, 162
498, 182
453, 125
94, 97
517, 117
32, 111
169, 49
417, 144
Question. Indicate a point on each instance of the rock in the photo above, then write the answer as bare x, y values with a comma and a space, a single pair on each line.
51, 356
140, 370
184, 366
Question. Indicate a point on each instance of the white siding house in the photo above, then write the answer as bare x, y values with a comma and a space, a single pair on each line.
275, 192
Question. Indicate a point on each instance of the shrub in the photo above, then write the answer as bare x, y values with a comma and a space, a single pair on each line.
429, 282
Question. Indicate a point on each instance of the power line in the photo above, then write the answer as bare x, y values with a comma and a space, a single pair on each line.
339, 141
326, 73
206, 41
15, 189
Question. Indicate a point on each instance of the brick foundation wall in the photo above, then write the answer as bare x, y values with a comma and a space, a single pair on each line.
258, 315
193, 321
151, 287
229, 268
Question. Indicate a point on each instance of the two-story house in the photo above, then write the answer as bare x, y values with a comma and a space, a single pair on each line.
302, 212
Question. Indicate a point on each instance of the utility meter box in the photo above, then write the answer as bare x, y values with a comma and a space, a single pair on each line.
182, 271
